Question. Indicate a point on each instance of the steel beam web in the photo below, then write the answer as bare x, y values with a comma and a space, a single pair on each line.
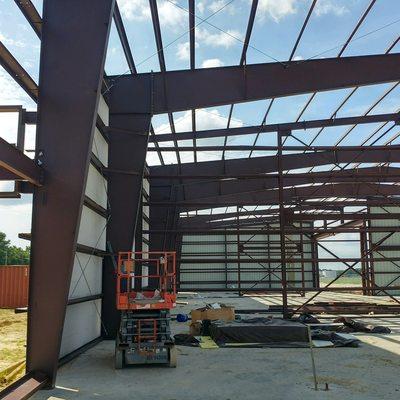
67, 118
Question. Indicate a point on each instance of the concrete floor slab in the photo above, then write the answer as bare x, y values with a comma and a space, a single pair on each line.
368, 372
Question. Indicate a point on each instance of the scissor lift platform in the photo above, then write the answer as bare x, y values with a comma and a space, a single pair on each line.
146, 291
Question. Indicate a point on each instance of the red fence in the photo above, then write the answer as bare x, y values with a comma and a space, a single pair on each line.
14, 283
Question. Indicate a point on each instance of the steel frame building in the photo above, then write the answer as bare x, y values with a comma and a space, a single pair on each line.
71, 90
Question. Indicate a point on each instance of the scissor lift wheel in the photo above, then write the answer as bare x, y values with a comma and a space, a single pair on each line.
172, 356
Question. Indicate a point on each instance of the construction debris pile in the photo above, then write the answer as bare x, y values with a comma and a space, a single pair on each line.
217, 325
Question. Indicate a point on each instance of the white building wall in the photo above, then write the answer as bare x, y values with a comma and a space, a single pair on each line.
214, 245
387, 273
82, 321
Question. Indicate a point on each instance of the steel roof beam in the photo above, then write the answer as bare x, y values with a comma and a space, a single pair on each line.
222, 215
286, 148
31, 15
290, 196
262, 165
290, 59
205, 189
343, 48
242, 61
192, 48
161, 59
18, 73
124, 39
129, 57
168, 92
16, 163
245, 130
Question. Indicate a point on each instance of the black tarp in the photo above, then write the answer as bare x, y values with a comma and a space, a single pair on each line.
271, 331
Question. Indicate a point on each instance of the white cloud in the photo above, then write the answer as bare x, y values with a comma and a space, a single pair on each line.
139, 10
183, 51
298, 58
201, 6
324, 7
217, 5
11, 93
212, 63
171, 15
134, 9
220, 39
11, 42
15, 217
277, 10
205, 119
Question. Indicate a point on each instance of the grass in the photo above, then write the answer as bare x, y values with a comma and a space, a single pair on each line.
12, 338
343, 281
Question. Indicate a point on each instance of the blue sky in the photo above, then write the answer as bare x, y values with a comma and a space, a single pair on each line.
277, 25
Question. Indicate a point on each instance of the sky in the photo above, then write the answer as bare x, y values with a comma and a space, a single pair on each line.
219, 42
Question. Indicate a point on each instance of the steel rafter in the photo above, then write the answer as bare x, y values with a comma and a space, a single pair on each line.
290, 195
287, 126
161, 59
192, 48
16, 163
18, 73
263, 165
242, 61
218, 86
124, 39
300, 35
31, 15
129, 59
342, 50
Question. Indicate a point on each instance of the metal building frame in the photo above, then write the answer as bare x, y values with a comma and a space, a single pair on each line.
70, 85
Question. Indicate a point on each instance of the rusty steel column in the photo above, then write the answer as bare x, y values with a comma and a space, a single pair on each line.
282, 223
71, 72
238, 252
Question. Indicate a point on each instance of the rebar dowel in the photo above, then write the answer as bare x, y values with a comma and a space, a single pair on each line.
312, 358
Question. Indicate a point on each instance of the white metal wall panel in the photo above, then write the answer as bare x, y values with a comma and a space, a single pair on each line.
386, 272
146, 186
81, 325
256, 271
82, 322
103, 111
100, 147
92, 230
96, 187
89, 282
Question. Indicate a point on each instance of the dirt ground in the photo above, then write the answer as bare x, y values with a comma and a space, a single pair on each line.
12, 338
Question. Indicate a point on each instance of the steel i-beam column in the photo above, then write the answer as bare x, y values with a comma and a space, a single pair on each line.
282, 222
71, 71
127, 156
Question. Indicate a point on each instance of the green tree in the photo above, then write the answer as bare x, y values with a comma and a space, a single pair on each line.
12, 255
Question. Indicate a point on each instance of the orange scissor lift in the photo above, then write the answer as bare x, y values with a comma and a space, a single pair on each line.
146, 292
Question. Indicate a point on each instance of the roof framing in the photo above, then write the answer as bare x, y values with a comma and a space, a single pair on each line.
212, 133
182, 90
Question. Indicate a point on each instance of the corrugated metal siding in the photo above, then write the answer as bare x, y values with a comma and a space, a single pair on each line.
387, 273
257, 276
14, 283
